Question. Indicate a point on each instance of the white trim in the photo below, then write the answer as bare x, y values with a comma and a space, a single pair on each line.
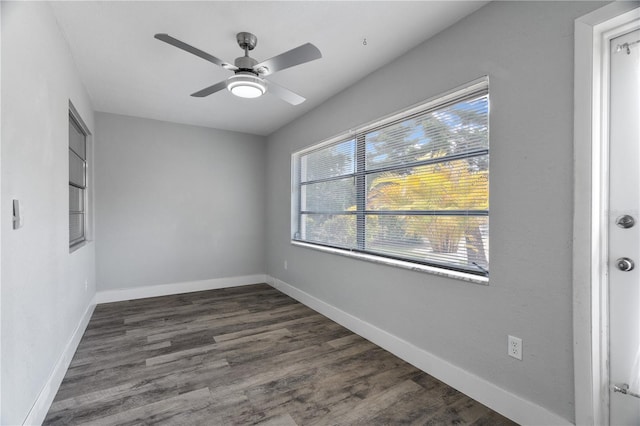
2, 219
506, 403
122, 294
43, 402
590, 305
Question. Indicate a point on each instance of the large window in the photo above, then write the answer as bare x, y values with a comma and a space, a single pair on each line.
413, 187
77, 182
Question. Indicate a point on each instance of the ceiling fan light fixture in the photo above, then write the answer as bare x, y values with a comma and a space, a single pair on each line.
246, 85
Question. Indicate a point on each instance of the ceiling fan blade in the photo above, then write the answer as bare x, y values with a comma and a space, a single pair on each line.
299, 55
210, 90
195, 51
284, 94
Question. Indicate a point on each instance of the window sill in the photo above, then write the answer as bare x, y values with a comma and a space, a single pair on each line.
78, 246
398, 263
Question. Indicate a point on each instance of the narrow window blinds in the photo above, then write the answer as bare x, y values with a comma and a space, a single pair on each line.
77, 182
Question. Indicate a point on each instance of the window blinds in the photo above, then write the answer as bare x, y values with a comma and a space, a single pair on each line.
414, 187
77, 182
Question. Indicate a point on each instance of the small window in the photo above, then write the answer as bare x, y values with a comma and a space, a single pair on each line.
413, 187
77, 182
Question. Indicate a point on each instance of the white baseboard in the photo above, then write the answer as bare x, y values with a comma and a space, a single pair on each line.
504, 402
120, 295
42, 404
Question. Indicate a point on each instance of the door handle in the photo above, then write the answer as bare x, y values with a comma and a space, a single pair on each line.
625, 221
624, 389
625, 264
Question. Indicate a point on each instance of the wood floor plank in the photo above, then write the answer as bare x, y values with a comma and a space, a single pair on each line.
366, 410
170, 410
296, 322
280, 420
187, 353
242, 356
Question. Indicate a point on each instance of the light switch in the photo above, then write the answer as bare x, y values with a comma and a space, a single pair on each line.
17, 218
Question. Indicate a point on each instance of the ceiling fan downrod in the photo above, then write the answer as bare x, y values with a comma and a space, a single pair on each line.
247, 42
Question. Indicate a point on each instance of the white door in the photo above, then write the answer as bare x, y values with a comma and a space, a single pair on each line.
624, 238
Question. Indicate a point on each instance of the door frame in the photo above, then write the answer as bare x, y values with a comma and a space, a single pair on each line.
590, 235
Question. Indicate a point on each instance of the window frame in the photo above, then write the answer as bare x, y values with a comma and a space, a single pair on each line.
76, 121
474, 89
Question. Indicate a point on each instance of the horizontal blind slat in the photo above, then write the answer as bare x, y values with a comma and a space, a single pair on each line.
457, 129
76, 199
76, 227
337, 230
77, 139
76, 170
335, 195
333, 160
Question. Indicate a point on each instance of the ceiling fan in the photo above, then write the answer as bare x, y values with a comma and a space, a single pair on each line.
248, 81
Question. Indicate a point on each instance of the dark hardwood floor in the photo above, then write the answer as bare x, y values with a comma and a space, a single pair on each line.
245, 355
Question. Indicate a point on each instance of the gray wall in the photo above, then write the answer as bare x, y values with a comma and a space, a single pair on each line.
526, 48
176, 203
43, 285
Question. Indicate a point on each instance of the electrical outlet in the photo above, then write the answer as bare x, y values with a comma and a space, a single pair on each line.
514, 347
285, 265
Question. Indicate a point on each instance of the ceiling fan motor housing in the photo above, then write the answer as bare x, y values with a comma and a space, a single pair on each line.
245, 63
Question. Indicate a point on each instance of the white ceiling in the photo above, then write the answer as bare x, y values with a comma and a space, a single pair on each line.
127, 71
